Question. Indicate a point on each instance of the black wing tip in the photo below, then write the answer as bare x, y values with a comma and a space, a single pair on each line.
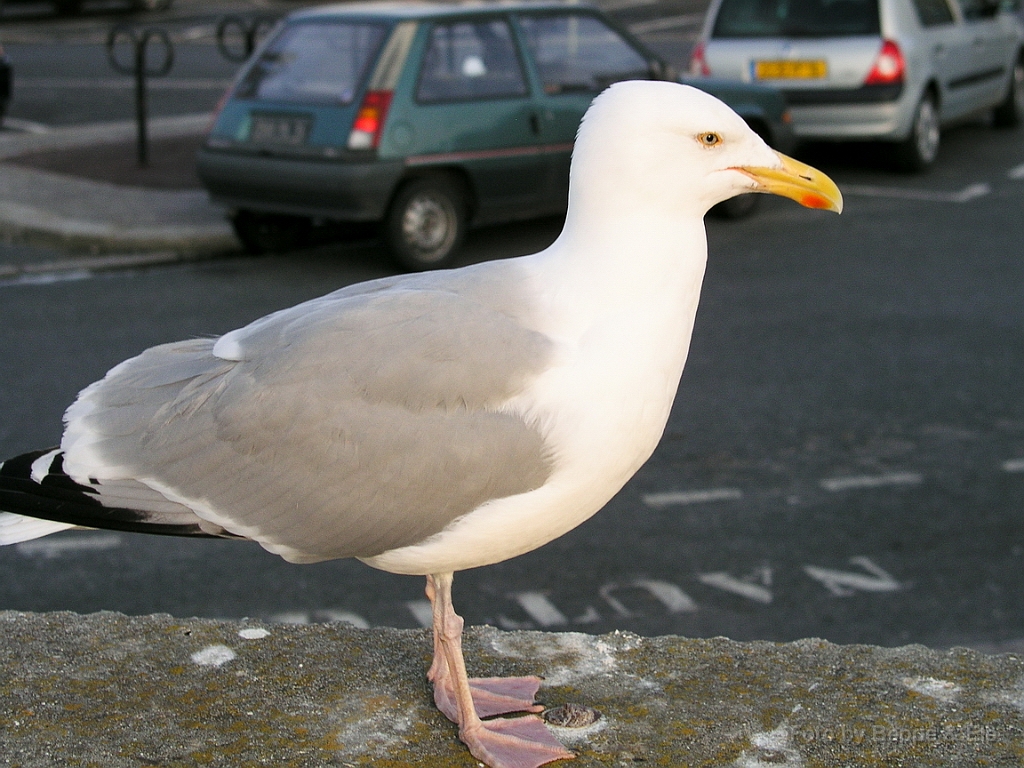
58, 497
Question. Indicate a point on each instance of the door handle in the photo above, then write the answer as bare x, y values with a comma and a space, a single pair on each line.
535, 124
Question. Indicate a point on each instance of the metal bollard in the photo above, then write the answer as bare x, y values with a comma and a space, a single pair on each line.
139, 40
247, 30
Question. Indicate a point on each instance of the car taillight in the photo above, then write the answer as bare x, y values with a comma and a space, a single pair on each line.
217, 110
698, 62
369, 122
889, 66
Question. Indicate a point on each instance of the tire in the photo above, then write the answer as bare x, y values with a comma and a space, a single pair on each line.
426, 223
738, 207
270, 232
918, 151
1010, 113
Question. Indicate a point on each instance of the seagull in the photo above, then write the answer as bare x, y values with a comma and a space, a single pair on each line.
430, 423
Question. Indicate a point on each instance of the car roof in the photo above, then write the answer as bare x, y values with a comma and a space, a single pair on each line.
427, 10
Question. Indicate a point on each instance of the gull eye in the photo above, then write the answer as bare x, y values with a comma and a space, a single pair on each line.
710, 139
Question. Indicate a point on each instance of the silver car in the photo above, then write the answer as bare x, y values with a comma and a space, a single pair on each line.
891, 70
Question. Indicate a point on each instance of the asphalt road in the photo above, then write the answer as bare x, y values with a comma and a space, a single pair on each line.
845, 458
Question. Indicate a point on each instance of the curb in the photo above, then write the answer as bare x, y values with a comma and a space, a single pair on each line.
87, 217
42, 271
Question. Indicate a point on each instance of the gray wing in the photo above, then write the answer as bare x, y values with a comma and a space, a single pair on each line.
348, 426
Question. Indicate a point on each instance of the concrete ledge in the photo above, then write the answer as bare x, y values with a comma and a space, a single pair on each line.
115, 691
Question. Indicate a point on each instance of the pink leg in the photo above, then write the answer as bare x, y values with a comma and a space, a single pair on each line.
521, 742
491, 695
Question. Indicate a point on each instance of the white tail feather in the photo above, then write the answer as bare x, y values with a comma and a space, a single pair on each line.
15, 529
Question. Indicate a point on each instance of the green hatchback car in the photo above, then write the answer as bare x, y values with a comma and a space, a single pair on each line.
423, 118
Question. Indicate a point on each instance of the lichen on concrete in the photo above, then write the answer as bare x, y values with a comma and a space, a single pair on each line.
116, 691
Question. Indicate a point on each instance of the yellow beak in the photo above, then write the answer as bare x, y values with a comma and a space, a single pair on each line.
808, 186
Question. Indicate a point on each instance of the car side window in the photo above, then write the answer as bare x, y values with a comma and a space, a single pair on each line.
576, 52
933, 13
470, 60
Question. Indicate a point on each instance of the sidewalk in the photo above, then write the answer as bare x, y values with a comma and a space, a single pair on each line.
78, 191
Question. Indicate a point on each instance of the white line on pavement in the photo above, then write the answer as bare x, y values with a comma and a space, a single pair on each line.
59, 546
1013, 465
25, 126
835, 484
692, 497
965, 195
729, 583
1017, 172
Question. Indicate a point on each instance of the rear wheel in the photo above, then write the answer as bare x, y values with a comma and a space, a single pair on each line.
1010, 113
918, 151
270, 232
426, 223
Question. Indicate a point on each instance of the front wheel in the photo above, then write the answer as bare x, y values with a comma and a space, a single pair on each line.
426, 223
1010, 113
918, 151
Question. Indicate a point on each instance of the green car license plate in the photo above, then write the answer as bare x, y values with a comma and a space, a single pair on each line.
290, 130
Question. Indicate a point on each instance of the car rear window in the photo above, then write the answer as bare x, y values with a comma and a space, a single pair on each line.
796, 18
314, 62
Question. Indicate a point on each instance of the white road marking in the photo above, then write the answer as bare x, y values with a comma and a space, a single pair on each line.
25, 126
965, 195
666, 593
421, 611
291, 617
835, 484
846, 583
692, 497
349, 617
17, 278
541, 610
49, 548
729, 583
321, 614
1017, 172
1013, 465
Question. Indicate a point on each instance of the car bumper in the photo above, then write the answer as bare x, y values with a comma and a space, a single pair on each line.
858, 118
341, 190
